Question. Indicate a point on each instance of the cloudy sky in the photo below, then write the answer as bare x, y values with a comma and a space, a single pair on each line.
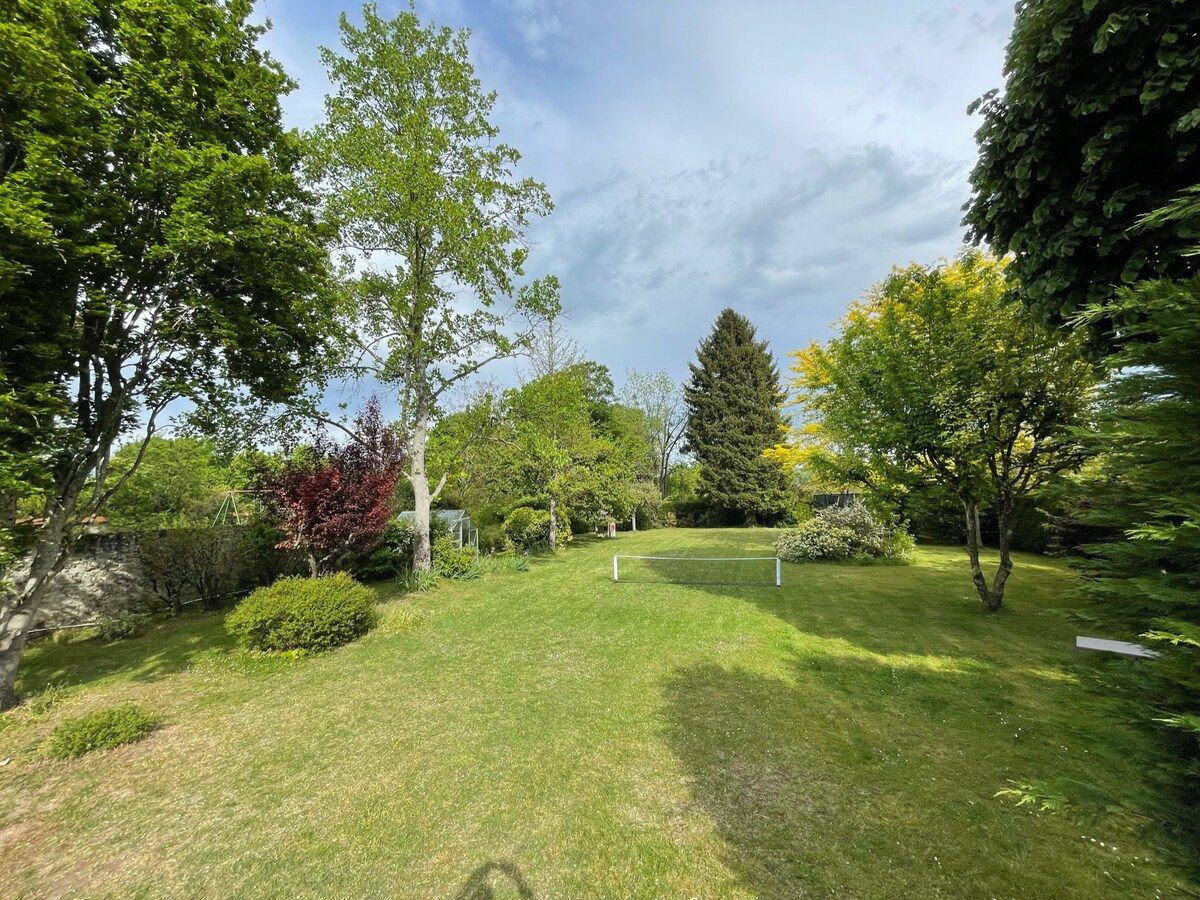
776, 156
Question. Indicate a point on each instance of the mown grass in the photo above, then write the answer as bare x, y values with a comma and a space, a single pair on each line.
550, 734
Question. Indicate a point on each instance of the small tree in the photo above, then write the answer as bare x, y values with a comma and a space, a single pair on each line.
413, 173
935, 377
336, 499
733, 415
660, 401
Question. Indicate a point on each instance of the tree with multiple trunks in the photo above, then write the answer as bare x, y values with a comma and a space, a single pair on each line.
1098, 125
415, 180
733, 416
934, 377
157, 243
333, 499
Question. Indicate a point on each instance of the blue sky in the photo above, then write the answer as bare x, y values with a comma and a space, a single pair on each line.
776, 157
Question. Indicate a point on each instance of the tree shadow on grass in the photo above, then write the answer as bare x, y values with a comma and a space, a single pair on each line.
846, 777
167, 647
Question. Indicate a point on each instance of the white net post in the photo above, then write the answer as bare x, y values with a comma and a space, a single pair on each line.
614, 567
778, 572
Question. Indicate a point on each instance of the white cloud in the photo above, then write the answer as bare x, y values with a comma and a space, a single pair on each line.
773, 155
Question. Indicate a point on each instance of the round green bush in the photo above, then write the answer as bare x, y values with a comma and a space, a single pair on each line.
304, 614
100, 730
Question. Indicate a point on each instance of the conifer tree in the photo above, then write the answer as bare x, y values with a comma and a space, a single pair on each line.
733, 400
1147, 488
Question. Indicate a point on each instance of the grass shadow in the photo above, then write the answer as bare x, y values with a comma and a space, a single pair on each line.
168, 646
820, 783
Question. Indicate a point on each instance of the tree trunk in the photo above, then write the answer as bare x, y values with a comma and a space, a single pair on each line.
991, 601
633, 521
419, 478
1004, 508
19, 607
553, 525
314, 568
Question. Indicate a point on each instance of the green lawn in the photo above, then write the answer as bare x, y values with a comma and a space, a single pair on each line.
552, 734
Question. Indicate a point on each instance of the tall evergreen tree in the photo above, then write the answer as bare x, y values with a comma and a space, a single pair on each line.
733, 400
1147, 487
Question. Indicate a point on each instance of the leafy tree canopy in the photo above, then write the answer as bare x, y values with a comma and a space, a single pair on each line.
177, 482
431, 216
1098, 125
156, 242
934, 377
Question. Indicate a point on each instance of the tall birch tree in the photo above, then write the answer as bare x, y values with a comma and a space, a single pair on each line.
432, 220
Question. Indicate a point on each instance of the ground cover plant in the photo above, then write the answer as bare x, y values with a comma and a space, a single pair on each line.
100, 730
844, 735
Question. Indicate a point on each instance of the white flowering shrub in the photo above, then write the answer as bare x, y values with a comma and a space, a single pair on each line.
844, 532
814, 539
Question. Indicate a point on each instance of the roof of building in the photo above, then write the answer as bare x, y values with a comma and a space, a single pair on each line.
446, 515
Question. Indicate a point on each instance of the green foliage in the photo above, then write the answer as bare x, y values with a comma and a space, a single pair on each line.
419, 179
304, 614
420, 580
733, 400
155, 242
177, 483
100, 730
659, 399
210, 561
393, 558
1097, 126
1146, 486
935, 378
454, 562
121, 627
529, 529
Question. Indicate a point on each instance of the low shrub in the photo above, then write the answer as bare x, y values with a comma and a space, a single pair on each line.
450, 561
844, 532
100, 730
420, 581
121, 627
814, 539
304, 614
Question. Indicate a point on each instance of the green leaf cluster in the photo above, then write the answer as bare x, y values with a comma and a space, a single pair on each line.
1146, 488
304, 614
1098, 125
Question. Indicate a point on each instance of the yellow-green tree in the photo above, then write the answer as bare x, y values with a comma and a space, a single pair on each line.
934, 377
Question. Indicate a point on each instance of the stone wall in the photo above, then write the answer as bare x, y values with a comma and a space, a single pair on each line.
101, 579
